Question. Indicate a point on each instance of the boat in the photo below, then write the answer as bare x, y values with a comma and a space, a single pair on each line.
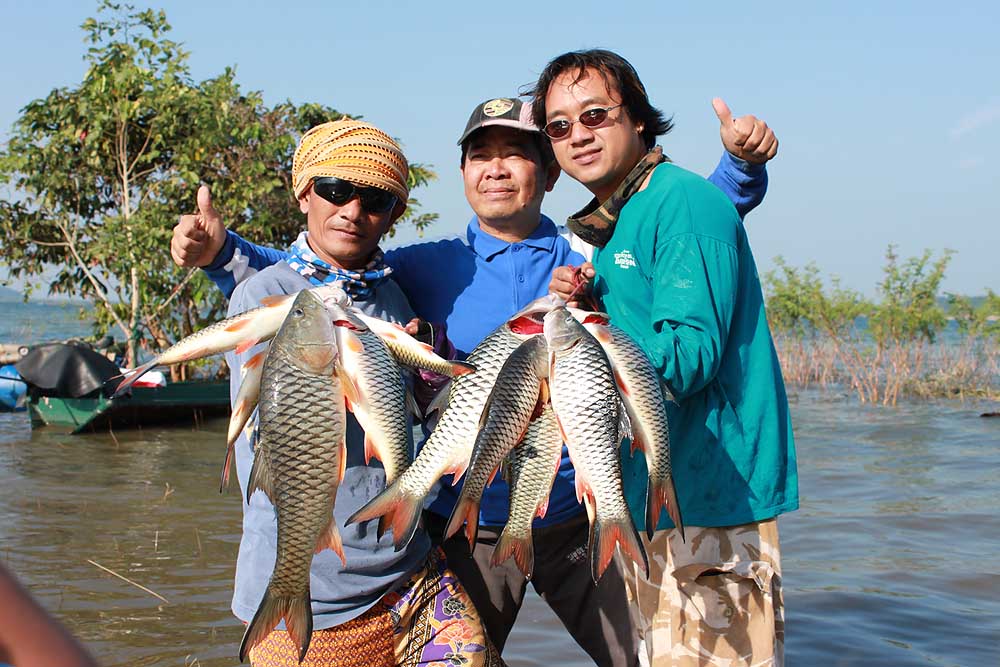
175, 403
71, 385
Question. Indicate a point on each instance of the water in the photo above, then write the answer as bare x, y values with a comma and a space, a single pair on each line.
890, 561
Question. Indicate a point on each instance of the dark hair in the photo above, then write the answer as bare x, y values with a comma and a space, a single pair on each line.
618, 74
540, 141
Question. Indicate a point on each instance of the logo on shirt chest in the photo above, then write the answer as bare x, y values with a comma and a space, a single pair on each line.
624, 259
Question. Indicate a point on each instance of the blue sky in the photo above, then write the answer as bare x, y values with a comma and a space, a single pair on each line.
888, 113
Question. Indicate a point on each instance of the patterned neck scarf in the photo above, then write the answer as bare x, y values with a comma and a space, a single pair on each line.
359, 285
595, 223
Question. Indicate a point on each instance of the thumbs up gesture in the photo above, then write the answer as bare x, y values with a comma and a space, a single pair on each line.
746, 137
198, 238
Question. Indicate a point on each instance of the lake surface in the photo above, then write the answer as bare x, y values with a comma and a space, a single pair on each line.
890, 561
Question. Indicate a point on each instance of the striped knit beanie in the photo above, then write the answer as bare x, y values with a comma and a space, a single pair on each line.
353, 150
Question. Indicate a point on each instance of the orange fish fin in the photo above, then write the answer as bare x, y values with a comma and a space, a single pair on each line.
371, 451
330, 539
275, 300
605, 534
246, 345
466, 512
520, 549
298, 619
239, 324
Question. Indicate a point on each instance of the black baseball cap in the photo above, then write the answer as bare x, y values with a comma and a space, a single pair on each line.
505, 111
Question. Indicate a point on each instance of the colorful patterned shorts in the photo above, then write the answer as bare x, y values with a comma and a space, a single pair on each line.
428, 621
712, 601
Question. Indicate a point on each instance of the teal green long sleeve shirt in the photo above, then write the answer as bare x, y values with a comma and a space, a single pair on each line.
679, 277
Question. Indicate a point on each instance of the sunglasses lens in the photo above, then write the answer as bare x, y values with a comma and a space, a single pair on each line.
594, 117
376, 200
557, 129
334, 190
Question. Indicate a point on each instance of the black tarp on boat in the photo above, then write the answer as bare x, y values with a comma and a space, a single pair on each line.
66, 370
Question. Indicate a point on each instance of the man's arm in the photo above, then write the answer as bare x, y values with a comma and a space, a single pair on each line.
238, 260
749, 144
202, 240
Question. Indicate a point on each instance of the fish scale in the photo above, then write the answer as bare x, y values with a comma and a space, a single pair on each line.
504, 420
586, 403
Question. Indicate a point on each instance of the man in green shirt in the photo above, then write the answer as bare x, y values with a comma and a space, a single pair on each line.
674, 270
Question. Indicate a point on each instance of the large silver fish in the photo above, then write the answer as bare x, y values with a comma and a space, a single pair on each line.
531, 468
240, 333
375, 392
299, 462
449, 446
518, 394
586, 403
644, 398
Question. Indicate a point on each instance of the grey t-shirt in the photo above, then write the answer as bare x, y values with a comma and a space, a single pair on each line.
339, 592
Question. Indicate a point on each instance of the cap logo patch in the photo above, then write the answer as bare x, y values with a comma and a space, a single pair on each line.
497, 107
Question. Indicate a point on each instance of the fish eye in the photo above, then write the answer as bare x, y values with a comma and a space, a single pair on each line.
298, 312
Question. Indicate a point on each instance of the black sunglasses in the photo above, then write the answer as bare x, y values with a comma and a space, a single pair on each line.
337, 191
558, 129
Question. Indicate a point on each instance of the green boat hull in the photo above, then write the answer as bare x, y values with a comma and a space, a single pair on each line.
179, 402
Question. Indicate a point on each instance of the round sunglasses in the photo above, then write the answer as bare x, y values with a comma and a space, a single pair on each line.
591, 118
338, 191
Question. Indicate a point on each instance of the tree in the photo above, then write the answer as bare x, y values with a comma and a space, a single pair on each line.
102, 169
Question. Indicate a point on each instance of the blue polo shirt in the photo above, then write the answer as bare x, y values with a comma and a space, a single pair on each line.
474, 284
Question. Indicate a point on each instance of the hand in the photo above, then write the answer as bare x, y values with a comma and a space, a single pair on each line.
572, 282
198, 238
421, 330
746, 137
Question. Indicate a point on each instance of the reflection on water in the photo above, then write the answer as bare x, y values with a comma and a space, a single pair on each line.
890, 561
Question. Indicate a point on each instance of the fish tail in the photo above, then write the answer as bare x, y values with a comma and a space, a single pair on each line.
466, 512
131, 376
662, 493
298, 620
517, 547
399, 510
605, 533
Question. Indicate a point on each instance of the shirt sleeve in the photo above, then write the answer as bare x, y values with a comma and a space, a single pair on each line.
238, 260
694, 296
745, 184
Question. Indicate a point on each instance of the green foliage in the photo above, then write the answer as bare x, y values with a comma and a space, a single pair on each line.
882, 347
102, 170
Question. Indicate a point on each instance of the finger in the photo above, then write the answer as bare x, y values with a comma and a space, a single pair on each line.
742, 129
755, 138
722, 111
412, 326
587, 270
773, 150
205, 207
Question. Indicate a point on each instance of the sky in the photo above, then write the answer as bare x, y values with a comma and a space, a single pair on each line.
887, 113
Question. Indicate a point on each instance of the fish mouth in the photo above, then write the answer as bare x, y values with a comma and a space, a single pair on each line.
529, 320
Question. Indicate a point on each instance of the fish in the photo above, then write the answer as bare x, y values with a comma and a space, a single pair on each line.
644, 398
299, 461
412, 353
375, 392
517, 395
243, 407
531, 468
587, 407
239, 333
450, 444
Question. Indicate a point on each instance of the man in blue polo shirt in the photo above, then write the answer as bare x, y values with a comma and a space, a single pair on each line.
472, 284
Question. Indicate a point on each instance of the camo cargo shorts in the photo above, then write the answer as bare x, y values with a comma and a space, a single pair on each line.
712, 601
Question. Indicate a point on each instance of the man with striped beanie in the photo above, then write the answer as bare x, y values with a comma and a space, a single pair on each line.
378, 606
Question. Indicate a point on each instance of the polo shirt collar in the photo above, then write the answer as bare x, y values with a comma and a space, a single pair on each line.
488, 246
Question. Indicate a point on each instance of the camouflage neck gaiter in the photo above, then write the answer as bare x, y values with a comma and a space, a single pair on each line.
595, 223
